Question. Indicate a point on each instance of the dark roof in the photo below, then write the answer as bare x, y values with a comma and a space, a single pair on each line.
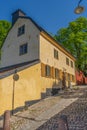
7, 68
40, 29
19, 11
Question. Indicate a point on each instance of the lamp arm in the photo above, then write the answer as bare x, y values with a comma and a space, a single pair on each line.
79, 2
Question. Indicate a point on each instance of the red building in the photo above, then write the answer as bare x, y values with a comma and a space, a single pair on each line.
80, 78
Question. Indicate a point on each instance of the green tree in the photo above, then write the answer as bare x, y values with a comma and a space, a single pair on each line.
74, 39
4, 28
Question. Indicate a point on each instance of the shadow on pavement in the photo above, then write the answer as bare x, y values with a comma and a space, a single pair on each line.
33, 119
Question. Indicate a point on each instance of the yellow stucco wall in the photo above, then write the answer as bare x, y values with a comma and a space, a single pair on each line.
31, 84
47, 56
27, 88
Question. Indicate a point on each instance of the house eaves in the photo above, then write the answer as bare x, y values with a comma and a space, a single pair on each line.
9, 70
50, 38
47, 36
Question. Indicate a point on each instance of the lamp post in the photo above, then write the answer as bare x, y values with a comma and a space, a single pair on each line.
79, 9
15, 78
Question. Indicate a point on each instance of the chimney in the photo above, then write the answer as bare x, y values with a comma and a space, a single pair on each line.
16, 15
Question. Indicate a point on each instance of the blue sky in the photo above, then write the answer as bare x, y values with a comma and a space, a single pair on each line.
50, 14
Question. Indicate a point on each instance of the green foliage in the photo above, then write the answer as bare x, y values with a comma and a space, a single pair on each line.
4, 28
74, 39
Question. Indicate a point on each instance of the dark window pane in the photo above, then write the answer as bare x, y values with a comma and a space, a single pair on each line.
55, 54
67, 61
23, 49
71, 64
56, 73
21, 30
68, 77
48, 70
73, 78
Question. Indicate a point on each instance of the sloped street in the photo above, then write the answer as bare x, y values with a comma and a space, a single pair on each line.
44, 115
76, 114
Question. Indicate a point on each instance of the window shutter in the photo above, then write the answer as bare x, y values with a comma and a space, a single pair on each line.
71, 77
66, 76
42, 69
52, 72
60, 74
74, 79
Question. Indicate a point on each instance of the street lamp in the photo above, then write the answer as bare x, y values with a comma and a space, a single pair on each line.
79, 9
15, 78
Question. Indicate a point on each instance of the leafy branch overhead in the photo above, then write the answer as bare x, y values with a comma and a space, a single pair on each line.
74, 39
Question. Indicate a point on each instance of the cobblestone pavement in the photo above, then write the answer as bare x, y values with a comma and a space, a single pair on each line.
30, 120
76, 114
28, 116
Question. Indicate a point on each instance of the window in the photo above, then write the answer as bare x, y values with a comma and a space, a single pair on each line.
71, 64
48, 70
55, 54
56, 73
67, 61
73, 78
23, 49
68, 77
21, 30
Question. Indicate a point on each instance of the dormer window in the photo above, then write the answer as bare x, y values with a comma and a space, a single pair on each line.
21, 30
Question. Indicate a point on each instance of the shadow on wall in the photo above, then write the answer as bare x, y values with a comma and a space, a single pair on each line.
27, 104
56, 87
49, 92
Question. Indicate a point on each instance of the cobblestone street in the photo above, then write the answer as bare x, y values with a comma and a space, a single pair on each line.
76, 114
44, 115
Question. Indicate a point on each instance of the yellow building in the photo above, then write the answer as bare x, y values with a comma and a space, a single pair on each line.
41, 63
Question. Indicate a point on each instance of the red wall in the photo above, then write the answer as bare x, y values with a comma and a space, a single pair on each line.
80, 78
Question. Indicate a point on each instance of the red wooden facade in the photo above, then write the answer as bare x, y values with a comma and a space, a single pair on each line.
80, 78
